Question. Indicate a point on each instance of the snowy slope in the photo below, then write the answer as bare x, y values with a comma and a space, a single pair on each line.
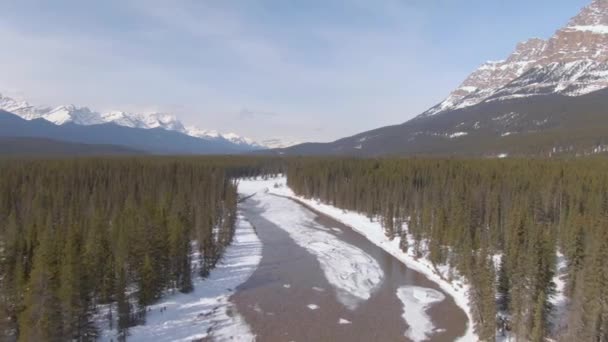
279, 143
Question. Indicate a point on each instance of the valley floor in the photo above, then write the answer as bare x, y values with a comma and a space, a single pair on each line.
298, 270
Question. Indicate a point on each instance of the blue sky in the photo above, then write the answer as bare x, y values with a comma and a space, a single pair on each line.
313, 70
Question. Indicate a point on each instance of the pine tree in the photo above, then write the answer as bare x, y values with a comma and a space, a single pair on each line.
41, 320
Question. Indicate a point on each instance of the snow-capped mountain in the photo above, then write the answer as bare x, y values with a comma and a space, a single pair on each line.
85, 116
573, 62
57, 115
548, 98
147, 120
215, 135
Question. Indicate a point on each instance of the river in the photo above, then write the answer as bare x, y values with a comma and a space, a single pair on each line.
318, 280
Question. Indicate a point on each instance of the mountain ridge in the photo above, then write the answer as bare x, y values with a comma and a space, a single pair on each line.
63, 114
153, 140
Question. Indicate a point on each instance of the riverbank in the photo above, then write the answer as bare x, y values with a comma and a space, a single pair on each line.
373, 231
321, 280
206, 312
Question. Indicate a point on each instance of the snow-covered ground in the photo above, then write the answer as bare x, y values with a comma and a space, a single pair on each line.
353, 273
559, 300
206, 311
373, 231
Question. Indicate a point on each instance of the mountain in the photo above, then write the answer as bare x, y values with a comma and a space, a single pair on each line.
153, 140
84, 116
572, 62
231, 137
27, 146
278, 143
547, 98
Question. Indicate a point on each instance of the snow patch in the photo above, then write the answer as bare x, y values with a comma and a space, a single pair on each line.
469, 89
598, 29
343, 321
312, 306
457, 134
559, 300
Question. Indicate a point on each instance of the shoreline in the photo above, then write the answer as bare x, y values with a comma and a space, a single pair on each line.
407, 305
206, 312
373, 231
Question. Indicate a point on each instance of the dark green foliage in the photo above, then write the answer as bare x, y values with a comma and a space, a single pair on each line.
77, 234
469, 211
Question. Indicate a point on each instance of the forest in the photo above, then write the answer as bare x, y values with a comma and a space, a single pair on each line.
78, 234
499, 223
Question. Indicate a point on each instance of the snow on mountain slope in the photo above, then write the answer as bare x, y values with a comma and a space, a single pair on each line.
573, 62
85, 116
230, 137
278, 143
236, 139
57, 115
149, 120
202, 133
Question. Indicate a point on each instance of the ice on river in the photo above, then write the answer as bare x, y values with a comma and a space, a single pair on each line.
353, 273
416, 301
457, 287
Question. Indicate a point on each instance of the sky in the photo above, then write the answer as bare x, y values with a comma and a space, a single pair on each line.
300, 70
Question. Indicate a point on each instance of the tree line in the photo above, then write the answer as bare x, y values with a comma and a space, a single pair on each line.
498, 223
79, 234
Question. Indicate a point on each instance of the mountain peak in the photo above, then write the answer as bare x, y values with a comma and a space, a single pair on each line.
594, 14
573, 62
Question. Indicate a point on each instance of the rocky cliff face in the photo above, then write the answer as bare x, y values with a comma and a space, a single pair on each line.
573, 62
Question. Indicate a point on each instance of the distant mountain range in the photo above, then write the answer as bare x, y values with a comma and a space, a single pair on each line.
35, 147
149, 140
548, 98
83, 116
